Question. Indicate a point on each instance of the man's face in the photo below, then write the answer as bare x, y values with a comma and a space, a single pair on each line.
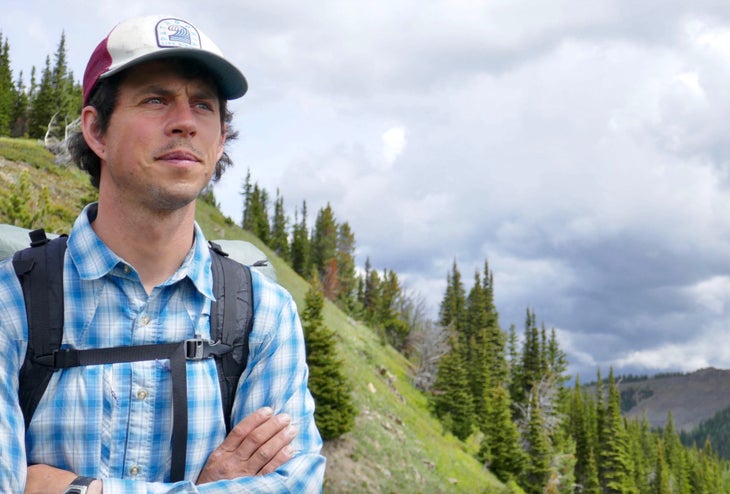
164, 138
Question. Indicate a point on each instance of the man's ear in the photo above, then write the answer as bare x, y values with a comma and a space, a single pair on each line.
92, 133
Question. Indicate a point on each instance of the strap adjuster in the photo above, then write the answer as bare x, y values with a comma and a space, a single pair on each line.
195, 349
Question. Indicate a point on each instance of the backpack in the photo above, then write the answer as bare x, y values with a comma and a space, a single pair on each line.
40, 271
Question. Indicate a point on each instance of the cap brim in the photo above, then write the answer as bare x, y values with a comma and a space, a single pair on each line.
229, 79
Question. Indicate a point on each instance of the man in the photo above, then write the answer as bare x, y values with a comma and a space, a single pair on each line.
137, 271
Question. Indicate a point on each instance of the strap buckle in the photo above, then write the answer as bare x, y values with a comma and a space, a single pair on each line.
195, 349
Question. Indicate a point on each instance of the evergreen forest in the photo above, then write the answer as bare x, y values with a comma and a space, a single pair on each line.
505, 392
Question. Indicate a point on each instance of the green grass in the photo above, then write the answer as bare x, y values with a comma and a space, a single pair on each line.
396, 445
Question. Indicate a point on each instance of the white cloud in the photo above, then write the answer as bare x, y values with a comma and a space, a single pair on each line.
394, 142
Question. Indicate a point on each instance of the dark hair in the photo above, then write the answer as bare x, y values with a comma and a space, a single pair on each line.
104, 98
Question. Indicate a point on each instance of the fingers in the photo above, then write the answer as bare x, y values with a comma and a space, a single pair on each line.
241, 431
284, 451
263, 446
257, 445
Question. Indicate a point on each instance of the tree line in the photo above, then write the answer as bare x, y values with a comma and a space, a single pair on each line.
46, 105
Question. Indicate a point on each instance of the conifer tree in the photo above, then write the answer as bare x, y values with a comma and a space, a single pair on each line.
279, 236
345, 257
500, 448
258, 215
334, 408
579, 428
496, 340
42, 105
453, 304
451, 402
324, 239
528, 372
537, 446
371, 293
473, 341
57, 100
68, 94
387, 317
660, 482
615, 467
247, 193
6, 88
19, 116
300, 244
674, 454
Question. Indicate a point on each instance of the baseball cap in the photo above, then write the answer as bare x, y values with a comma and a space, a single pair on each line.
147, 38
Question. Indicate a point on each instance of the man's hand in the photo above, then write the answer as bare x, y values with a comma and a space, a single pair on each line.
257, 445
44, 479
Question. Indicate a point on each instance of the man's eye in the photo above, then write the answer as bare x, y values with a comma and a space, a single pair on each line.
154, 100
204, 106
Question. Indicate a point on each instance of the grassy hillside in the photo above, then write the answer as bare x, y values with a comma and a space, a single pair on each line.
396, 445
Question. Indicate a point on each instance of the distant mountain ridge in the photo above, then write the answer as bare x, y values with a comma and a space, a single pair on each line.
692, 398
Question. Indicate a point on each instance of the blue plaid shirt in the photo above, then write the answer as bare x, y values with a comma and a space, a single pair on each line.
114, 421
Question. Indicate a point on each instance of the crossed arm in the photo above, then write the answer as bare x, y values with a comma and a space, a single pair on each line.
257, 445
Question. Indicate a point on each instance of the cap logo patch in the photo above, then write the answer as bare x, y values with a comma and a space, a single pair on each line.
175, 33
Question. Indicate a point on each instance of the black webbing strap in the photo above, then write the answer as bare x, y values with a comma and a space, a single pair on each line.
231, 320
44, 309
178, 354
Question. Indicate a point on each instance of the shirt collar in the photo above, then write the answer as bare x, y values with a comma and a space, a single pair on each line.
93, 259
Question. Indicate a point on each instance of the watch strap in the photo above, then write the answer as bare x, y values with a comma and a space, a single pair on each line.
79, 485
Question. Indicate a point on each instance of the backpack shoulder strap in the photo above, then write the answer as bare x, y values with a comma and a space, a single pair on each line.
231, 320
40, 271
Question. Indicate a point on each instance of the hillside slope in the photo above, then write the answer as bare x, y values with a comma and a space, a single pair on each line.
692, 398
396, 445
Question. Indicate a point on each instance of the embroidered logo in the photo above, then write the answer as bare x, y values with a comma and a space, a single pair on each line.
174, 33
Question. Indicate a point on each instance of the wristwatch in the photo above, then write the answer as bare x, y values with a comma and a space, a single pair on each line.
79, 485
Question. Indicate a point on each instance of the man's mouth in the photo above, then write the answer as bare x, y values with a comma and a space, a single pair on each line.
178, 156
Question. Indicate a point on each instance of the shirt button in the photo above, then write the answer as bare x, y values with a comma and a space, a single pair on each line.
142, 394
126, 269
145, 320
134, 471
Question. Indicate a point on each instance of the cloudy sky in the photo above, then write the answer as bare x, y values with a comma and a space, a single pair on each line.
581, 147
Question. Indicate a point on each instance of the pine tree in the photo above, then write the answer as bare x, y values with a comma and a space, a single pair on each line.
528, 372
300, 244
6, 88
259, 215
675, 457
477, 355
452, 402
334, 408
660, 482
500, 448
395, 330
19, 116
580, 430
324, 239
615, 465
57, 100
452, 307
247, 193
43, 107
279, 237
371, 293
538, 449
68, 98
345, 257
